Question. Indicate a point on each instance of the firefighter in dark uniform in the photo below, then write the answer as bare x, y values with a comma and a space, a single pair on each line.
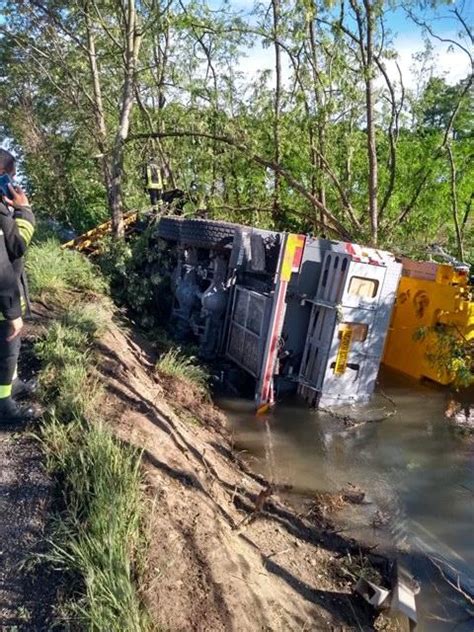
16, 230
154, 183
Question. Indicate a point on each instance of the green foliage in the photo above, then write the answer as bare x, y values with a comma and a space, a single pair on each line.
449, 352
99, 537
51, 120
65, 380
52, 270
436, 105
91, 319
62, 345
136, 276
175, 363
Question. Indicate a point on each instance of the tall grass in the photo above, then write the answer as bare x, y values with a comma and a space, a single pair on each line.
65, 381
98, 535
91, 319
52, 270
175, 363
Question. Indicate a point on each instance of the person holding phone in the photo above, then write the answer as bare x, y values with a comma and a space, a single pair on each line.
17, 224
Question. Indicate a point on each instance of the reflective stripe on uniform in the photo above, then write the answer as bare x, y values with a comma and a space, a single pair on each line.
25, 228
153, 178
5, 390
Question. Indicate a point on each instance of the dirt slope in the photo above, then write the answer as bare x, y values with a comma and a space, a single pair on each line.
205, 572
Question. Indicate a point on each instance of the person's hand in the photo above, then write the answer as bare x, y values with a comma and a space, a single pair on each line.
16, 326
17, 197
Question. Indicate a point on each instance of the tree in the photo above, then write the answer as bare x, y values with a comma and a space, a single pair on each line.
327, 141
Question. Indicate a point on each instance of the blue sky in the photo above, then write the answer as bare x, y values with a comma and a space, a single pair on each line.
407, 40
407, 36
399, 21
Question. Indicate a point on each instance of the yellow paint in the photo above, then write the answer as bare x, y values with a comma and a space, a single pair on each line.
424, 303
444, 274
95, 234
292, 243
345, 331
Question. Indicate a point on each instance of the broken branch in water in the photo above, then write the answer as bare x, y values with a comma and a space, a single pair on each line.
454, 585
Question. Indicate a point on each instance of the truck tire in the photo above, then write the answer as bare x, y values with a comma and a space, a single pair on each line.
204, 233
169, 228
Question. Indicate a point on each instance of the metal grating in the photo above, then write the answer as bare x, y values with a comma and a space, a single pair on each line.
246, 341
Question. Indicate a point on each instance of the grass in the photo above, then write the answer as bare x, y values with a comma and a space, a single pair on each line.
65, 380
52, 270
175, 363
98, 536
91, 319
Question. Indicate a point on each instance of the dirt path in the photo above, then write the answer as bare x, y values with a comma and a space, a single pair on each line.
27, 591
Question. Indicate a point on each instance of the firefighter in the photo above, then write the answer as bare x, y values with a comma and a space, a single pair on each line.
154, 183
16, 230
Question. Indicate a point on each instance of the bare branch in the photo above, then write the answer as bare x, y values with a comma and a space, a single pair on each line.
468, 30
59, 23
455, 585
445, 40
106, 29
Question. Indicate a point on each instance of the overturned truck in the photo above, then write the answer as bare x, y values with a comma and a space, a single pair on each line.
296, 313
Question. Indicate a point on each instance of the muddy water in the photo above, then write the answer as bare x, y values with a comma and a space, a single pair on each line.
418, 474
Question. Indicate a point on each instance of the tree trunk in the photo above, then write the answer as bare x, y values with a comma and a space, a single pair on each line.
371, 139
321, 190
454, 204
276, 112
101, 127
133, 43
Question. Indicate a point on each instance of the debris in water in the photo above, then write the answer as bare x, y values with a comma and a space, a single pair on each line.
380, 519
373, 594
461, 416
403, 595
400, 599
354, 495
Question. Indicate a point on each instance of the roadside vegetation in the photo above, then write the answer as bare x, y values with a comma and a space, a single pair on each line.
175, 363
450, 352
98, 533
52, 271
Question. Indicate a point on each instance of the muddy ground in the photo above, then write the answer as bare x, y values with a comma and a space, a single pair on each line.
226, 553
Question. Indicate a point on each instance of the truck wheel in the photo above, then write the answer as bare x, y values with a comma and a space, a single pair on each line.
203, 233
169, 228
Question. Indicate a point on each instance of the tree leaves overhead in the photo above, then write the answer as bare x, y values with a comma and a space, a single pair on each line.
89, 90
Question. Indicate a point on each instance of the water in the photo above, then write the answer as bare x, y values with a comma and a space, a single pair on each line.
414, 467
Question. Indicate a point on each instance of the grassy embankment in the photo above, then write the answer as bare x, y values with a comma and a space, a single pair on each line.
99, 528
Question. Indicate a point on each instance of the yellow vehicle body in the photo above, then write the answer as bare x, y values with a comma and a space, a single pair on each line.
88, 242
429, 295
